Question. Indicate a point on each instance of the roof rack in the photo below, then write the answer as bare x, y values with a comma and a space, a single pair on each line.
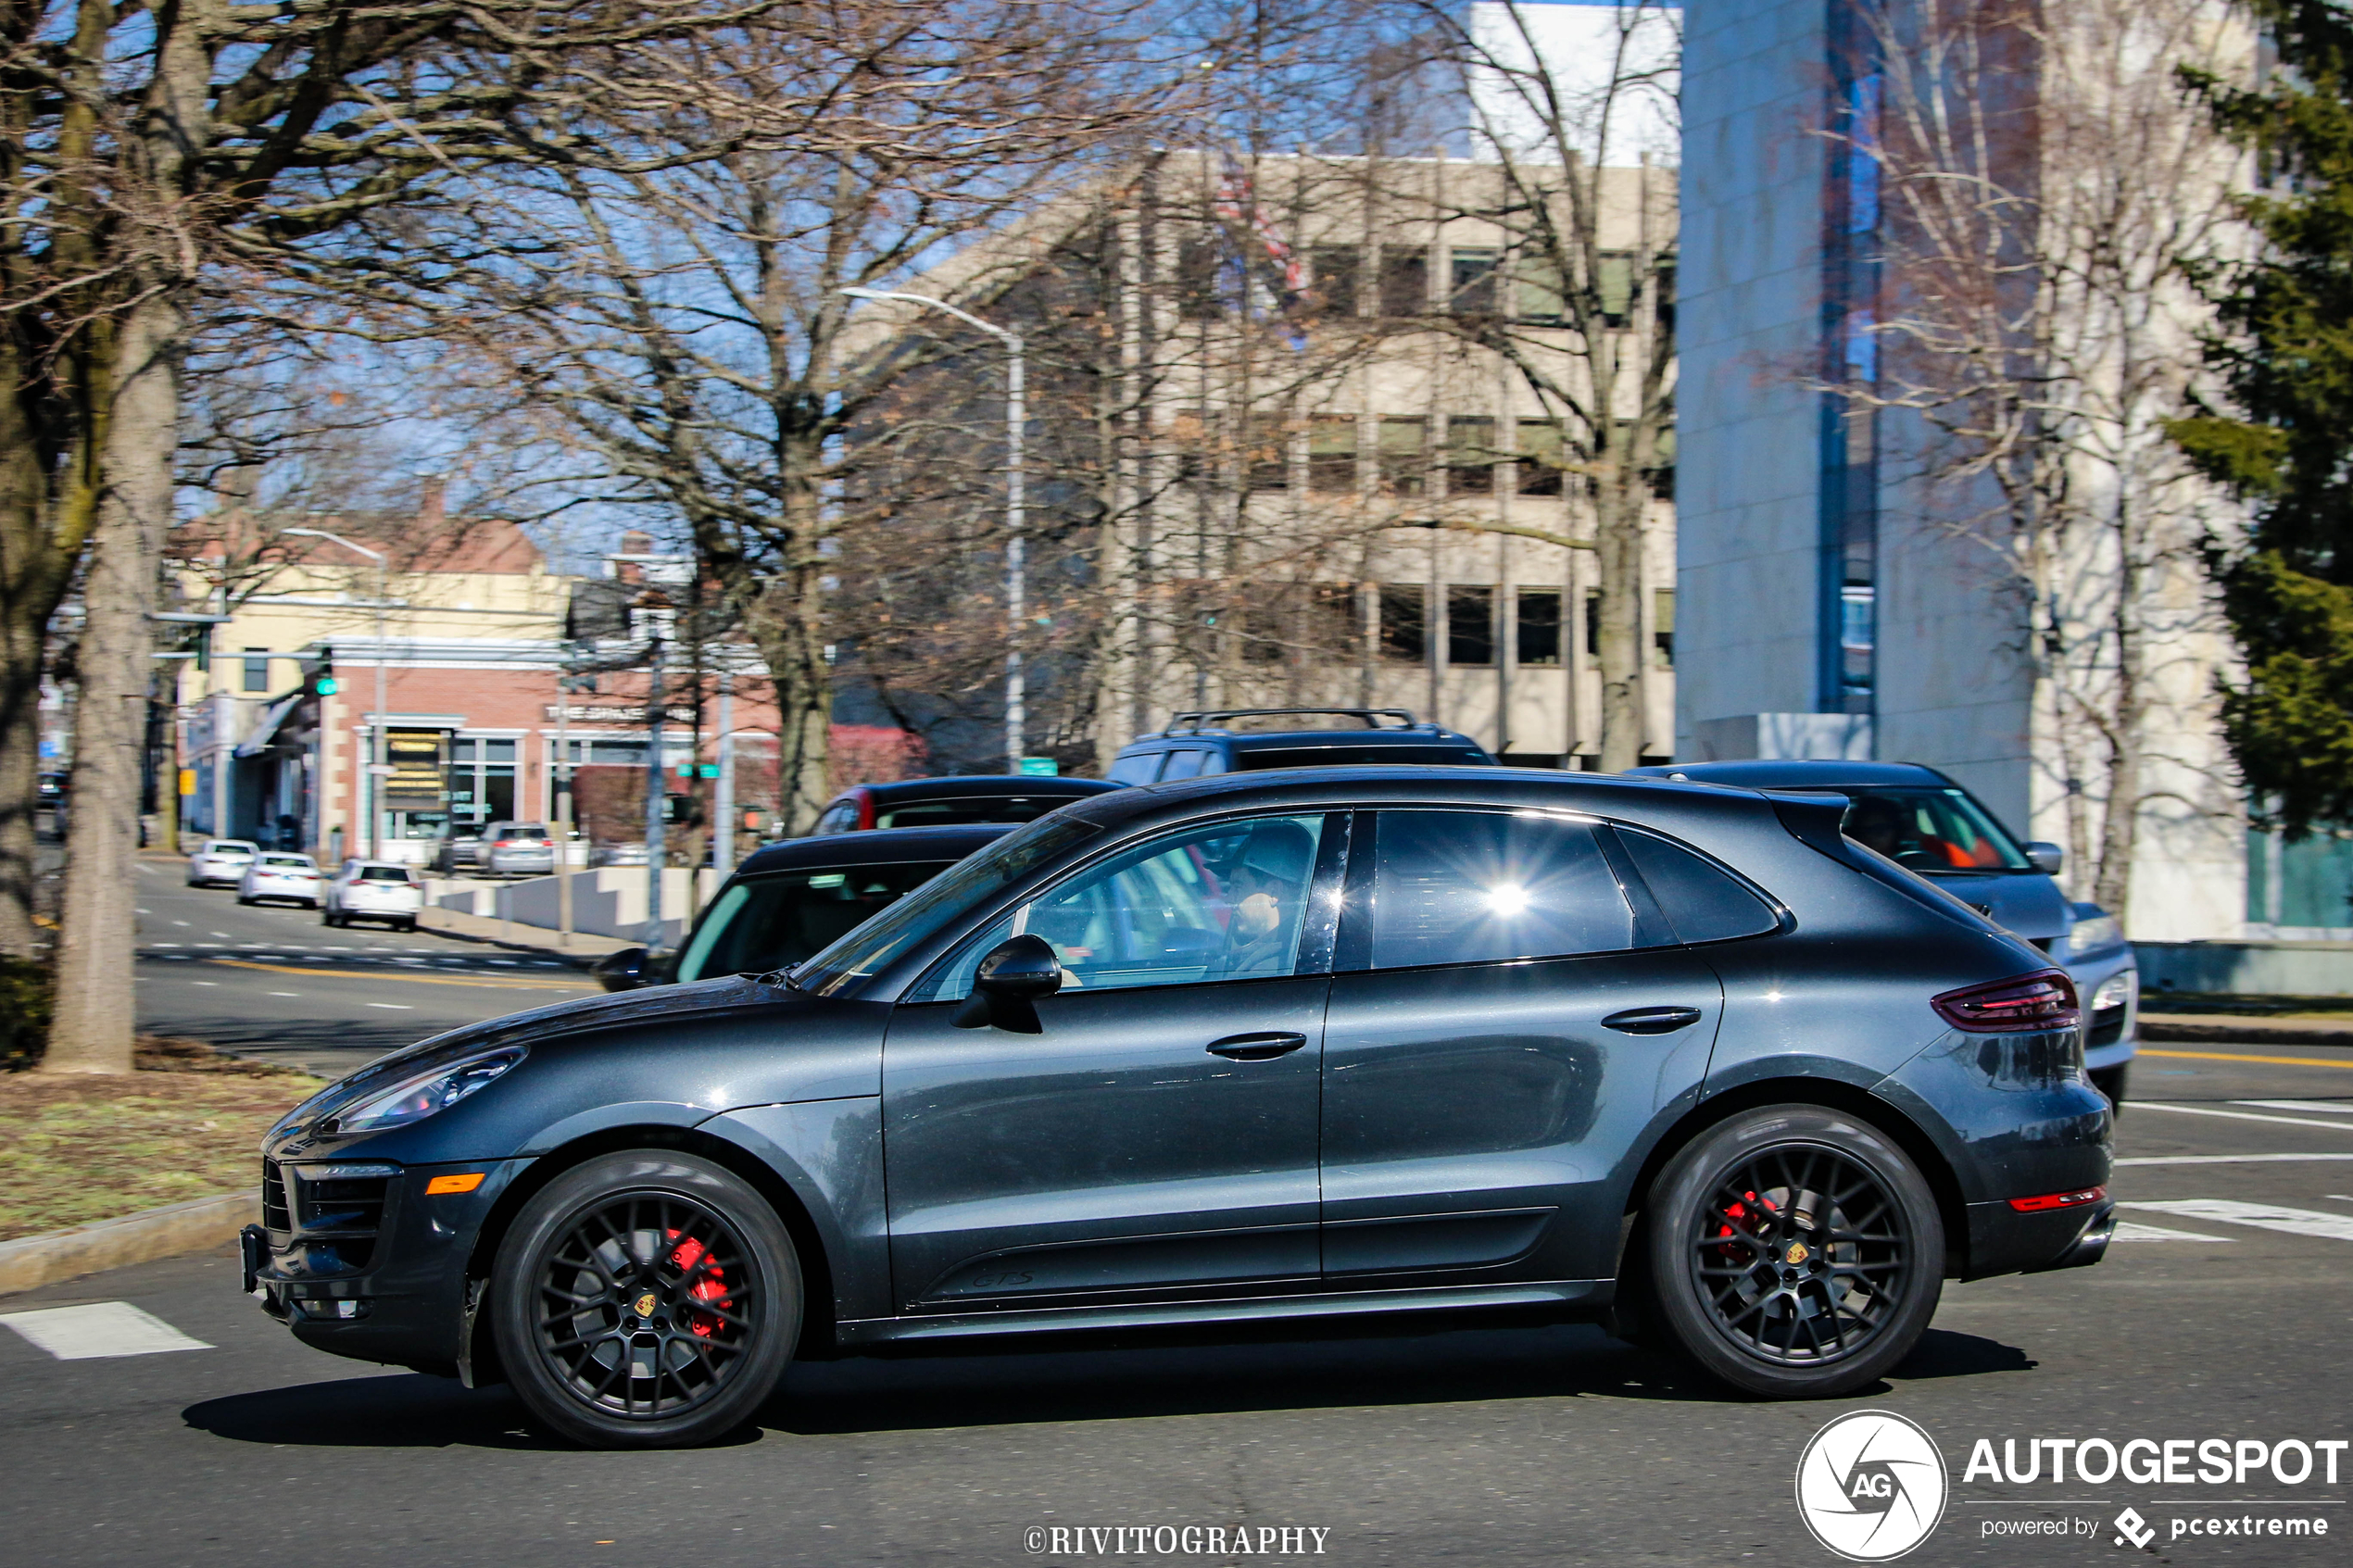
1194, 724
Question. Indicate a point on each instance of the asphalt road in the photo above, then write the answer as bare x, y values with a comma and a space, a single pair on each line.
271, 981
1471, 1445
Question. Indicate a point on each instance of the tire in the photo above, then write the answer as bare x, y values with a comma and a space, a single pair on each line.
246, 901
2111, 1081
566, 1245
1750, 1289
408, 925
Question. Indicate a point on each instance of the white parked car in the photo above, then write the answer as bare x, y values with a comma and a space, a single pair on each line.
373, 890
221, 863
294, 878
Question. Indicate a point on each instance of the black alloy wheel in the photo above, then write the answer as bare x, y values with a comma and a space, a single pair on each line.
1796, 1251
646, 1300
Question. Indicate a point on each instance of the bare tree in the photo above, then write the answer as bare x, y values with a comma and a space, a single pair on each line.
1578, 135
141, 149
2047, 193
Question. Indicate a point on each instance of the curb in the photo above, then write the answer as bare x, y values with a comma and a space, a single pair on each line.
425, 921
2243, 1031
199, 1223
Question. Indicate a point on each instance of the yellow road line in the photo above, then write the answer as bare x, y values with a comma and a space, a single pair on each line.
2226, 1056
520, 982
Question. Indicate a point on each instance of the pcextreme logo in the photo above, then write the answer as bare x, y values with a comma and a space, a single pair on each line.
1870, 1485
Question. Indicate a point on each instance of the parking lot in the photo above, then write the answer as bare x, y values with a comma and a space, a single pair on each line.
2220, 1316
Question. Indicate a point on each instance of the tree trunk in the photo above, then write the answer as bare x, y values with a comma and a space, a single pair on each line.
1618, 541
95, 1016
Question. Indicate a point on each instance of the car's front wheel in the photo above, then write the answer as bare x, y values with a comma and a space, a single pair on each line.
1796, 1251
646, 1298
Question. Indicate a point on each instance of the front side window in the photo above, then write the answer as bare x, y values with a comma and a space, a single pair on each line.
1457, 887
771, 922
1222, 901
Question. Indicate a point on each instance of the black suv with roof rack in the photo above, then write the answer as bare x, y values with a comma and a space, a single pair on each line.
1239, 740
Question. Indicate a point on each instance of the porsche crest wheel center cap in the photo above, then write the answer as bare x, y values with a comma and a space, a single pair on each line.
1797, 1253
644, 1305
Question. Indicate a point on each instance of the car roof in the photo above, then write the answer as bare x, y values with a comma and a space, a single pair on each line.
1799, 773
960, 785
880, 846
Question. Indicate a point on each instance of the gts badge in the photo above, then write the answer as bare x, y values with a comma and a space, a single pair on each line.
997, 1279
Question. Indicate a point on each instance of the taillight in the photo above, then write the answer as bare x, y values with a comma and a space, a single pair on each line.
2075, 1199
2044, 999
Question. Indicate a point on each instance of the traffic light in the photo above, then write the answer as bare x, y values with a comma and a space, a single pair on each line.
329, 685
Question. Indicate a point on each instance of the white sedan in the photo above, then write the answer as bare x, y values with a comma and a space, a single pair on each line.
220, 862
294, 878
373, 890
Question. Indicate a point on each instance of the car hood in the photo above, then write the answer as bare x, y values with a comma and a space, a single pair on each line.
2026, 903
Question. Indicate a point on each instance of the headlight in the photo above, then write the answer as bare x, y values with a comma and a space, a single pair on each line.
2116, 990
416, 1098
2095, 933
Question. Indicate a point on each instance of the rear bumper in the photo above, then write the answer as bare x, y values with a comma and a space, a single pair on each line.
2003, 1241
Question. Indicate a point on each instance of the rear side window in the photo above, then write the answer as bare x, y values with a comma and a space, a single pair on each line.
1135, 770
1456, 887
1702, 901
962, 809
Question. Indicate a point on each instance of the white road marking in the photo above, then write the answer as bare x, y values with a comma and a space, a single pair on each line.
223, 935
2335, 1107
2224, 1159
2264, 1216
394, 1006
163, 944
103, 1328
207, 944
181, 923
2240, 1115
2128, 1231
204, 982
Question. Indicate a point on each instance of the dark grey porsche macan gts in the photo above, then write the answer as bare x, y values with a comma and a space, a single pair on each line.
1287, 1044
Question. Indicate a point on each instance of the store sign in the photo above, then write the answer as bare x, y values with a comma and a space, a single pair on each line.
418, 780
613, 713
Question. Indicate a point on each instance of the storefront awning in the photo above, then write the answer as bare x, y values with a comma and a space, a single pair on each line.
265, 729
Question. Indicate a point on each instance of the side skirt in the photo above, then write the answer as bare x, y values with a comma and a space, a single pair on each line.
1581, 1294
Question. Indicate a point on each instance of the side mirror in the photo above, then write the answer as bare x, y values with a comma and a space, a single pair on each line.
2048, 857
623, 970
1012, 976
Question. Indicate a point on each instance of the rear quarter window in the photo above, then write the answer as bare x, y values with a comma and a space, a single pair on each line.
1700, 900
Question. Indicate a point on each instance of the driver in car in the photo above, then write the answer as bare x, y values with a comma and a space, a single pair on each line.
1266, 887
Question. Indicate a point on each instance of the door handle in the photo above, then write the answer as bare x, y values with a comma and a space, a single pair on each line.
1258, 1048
1651, 1021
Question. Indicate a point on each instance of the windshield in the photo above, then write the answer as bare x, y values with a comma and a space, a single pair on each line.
772, 923
1931, 830
972, 880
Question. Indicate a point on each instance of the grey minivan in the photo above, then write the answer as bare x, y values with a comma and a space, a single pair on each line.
1926, 823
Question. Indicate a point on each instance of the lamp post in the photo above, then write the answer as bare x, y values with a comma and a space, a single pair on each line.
376, 767
1016, 420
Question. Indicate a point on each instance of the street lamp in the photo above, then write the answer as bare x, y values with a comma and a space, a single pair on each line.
377, 767
1016, 418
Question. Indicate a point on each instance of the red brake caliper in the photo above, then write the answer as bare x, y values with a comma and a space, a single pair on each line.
1736, 1213
711, 1289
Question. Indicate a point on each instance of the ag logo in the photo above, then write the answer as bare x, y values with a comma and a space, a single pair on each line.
1870, 1485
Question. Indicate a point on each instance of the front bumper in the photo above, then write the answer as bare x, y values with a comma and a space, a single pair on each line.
368, 1266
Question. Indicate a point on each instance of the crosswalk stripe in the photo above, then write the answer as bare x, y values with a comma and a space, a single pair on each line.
2263, 1216
100, 1329
2127, 1230
2240, 1115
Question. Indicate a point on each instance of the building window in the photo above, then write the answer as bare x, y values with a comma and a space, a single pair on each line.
1542, 300
1615, 284
1592, 624
1405, 622
1538, 467
1335, 272
1335, 630
1332, 455
256, 669
1472, 283
1539, 626
1199, 258
482, 780
1470, 454
1470, 623
1404, 280
1404, 458
1663, 628
1858, 636
1269, 459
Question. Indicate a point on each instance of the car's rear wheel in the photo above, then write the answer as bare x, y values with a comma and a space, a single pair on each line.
2109, 1081
646, 1298
1796, 1251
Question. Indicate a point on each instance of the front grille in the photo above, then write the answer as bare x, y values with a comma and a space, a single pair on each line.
2108, 1027
274, 1217
340, 1218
